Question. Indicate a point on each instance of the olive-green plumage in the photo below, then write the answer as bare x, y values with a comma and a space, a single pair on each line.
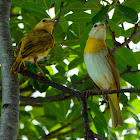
35, 45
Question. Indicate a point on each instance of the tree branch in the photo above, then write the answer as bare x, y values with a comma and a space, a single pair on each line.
59, 129
118, 45
59, 97
128, 71
33, 100
10, 89
134, 35
81, 97
45, 80
109, 29
72, 92
54, 135
64, 133
86, 128
59, 16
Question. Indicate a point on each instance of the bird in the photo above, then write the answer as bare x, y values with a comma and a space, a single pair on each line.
35, 45
102, 69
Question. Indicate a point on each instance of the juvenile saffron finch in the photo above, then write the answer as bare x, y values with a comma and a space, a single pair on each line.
35, 45
102, 68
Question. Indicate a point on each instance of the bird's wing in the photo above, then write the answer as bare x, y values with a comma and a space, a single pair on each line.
113, 98
113, 65
35, 42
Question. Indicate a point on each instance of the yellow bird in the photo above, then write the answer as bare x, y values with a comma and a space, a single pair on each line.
102, 68
35, 45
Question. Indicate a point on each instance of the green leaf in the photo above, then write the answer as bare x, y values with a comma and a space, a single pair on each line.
78, 28
135, 4
119, 31
40, 130
71, 34
136, 39
79, 17
57, 6
44, 3
59, 35
97, 125
75, 112
118, 17
124, 58
134, 116
131, 136
110, 134
34, 9
95, 108
39, 86
137, 56
135, 104
76, 6
84, 38
57, 111
100, 15
64, 24
77, 61
93, 4
60, 69
129, 13
123, 99
59, 52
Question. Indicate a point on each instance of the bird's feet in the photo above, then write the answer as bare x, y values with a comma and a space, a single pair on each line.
102, 92
88, 93
40, 75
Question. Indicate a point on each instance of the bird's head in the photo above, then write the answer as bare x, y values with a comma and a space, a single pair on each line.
46, 24
98, 31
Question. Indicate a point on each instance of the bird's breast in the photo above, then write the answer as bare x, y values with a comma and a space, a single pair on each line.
39, 56
94, 45
99, 68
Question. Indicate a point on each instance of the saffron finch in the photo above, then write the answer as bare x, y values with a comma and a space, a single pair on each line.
35, 45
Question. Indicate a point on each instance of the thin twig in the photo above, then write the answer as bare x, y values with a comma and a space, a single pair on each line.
118, 45
130, 38
46, 64
128, 71
59, 129
125, 39
34, 105
100, 137
65, 133
109, 29
78, 83
133, 35
59, 97
112, 33
59, 16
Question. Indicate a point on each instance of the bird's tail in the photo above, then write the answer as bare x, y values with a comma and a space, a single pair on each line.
16, 66
116, 114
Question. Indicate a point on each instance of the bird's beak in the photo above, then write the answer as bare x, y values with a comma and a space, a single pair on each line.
52, 21
101, 25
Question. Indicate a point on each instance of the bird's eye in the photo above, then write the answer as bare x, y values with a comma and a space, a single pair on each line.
95, 25
43, 20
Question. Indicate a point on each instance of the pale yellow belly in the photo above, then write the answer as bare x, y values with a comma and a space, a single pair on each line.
40, 56
99, 69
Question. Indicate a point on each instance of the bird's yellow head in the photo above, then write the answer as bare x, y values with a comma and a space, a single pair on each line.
46, 24
98, 31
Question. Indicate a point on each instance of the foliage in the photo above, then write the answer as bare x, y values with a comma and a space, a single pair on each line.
70, 38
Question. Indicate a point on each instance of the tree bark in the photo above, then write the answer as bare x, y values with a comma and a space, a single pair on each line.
10, 90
